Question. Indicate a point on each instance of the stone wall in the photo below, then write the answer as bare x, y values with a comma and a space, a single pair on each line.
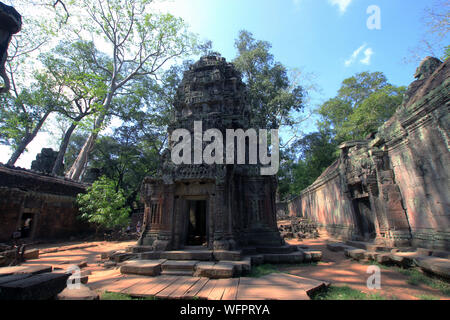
48, 201
393, 188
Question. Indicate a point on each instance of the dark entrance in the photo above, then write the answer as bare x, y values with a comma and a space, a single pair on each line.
196, 235
26, 224
364, 218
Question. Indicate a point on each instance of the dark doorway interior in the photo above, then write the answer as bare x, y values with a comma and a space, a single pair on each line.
364, 218
26, 224
197, 223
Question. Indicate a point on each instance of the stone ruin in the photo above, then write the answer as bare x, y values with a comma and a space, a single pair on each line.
47, 202
223, 207
210, 221
393, 188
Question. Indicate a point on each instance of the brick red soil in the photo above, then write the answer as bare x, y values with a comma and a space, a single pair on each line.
342, 271
334, 268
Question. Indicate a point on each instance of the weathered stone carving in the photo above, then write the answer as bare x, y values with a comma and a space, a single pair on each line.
10, 23
224, 206
45, 160
395, 187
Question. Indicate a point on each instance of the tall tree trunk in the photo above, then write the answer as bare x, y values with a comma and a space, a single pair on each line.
62, 149
26, 141
78, 166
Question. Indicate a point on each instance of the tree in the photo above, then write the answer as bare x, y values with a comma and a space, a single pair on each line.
139, 43
317, 152
434, 41
104, 205
72, 67
24, 113
272, 96
363, 103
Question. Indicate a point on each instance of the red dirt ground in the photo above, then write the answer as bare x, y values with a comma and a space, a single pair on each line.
341, 271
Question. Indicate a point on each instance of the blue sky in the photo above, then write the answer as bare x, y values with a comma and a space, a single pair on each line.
318, 37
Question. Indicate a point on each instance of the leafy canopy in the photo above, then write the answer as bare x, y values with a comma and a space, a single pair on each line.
104, 204
363, 103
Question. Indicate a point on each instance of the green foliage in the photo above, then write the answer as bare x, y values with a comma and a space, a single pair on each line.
121, 296
446, 53
345, 293
263, 270
104, 204
427, 297
317, 152
364, 102
416, 277
272, 96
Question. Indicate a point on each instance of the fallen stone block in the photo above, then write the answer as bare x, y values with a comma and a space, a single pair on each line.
123, 256
316, 255
437, 266
107, 254
383, 258
42, 286
31, 254
357, 254
142, 267
109, 264
336, 247
37, 269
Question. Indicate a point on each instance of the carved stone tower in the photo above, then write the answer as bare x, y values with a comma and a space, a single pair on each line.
219, 206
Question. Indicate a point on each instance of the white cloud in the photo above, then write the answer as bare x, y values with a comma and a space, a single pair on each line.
368, 55
342, 4
354, 55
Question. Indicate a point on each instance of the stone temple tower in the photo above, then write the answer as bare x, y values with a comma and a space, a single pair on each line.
219, 206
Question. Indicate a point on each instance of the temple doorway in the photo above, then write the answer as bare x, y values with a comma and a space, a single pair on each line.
197, 224
364, 218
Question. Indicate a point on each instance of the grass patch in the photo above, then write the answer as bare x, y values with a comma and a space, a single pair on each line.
345, 293
268, 268
121, 296
114, 296
427, 297
262, 270
415, 278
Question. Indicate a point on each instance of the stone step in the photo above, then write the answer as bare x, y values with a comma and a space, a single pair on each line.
294, 257
277, 249
219, 270
179, 273
142, 267
177, 265
200, 255
227, 255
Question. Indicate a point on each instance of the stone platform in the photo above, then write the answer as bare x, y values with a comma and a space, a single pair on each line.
435, 262
200, 262
277, 286
31, 282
